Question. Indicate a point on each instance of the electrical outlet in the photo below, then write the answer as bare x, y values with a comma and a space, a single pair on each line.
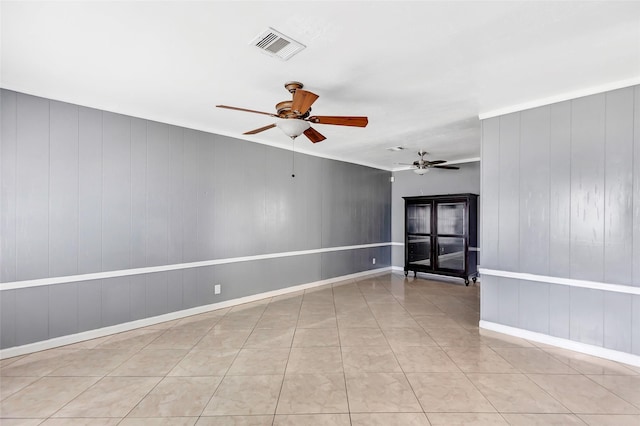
216, 289
374, 260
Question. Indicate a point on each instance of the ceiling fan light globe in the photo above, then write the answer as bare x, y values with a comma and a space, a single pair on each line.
420, 171
292, 127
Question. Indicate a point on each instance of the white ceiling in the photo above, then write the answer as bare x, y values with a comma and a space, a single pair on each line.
421, 71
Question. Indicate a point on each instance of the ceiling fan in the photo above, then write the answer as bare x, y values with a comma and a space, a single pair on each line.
295, 115
422, 166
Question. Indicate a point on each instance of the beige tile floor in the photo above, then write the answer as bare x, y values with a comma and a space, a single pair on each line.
384, 350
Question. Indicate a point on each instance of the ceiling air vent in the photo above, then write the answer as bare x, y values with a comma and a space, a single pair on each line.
277, 44
396, 148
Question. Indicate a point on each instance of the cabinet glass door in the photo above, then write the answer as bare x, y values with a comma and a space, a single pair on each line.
451, 219
420, 250
451, 253
419, 219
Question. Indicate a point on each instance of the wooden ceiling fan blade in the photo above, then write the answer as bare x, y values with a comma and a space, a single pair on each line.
246, 110
434, 162
339, 120
313, 135
447, 167
302, 101
261, 129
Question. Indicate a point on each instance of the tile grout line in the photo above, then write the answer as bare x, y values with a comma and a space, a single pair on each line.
396, 357
284, 374
344, 373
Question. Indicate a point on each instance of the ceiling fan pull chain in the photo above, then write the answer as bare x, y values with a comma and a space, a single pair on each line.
293, 157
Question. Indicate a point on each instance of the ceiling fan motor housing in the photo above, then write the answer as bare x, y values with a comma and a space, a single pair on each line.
284, 110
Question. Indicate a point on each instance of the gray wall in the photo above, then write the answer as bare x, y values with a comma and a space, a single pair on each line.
86, 191
561, 198
436, 182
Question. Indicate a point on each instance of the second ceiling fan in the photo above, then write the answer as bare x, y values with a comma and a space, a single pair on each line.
422, 166
295, 115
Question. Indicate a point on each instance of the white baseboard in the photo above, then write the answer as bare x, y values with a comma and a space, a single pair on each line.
145, 322
584, 348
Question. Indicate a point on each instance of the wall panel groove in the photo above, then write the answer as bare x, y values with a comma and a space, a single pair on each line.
636, 190
8, 178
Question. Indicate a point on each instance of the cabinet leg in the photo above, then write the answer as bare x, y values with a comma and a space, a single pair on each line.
474, 279
415, 274
406, 273
466, 282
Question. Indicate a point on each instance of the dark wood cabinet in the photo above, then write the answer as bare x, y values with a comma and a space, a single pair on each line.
441, 235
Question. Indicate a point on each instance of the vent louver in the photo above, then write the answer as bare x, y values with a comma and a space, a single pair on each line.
277, 44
